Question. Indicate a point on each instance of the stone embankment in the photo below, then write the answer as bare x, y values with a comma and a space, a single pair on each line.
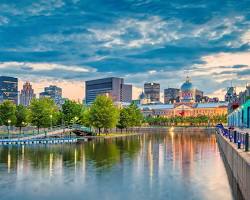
234, 147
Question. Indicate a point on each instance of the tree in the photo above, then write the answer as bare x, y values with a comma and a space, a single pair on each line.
135, 115
72, 111
44, 112
8, 113
22, 117
85, 117
103, 113
124, 119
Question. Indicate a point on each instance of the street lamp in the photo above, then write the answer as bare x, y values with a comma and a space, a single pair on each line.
23, 124
9, 121
51, 116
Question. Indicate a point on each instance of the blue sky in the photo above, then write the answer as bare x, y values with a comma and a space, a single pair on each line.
70, 41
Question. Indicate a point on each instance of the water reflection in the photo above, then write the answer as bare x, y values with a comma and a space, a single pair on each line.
175, 165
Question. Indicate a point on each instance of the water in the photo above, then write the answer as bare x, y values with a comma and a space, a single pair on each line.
175, 165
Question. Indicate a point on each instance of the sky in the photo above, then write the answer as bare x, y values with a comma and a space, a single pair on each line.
67, 42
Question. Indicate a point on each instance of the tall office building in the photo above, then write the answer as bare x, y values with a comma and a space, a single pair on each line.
152, 91
171, 95
9, 89
126, 93
54, 93
112, 87
27, 94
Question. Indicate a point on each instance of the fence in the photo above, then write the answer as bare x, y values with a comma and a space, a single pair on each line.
240, 139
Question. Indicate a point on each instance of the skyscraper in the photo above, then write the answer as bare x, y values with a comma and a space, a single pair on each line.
113, 87
126, 93
171, 95
27, 94
9, 89
152, 91
54, 93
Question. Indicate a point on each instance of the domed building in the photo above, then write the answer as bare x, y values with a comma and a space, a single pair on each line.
144, 99
187, 92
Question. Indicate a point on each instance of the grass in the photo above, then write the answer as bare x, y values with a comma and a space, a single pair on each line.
114, 134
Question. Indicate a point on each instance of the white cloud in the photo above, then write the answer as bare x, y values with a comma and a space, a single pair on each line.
156, 31
221, 65
3, 20
216, 28
151, 31
39, 7
44, 67
246, 37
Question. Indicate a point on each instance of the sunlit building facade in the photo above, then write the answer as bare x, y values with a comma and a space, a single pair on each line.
54, 93
152, 91
185, 109
27, 94
113, 87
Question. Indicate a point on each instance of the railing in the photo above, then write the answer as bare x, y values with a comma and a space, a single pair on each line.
14, 133
240, 139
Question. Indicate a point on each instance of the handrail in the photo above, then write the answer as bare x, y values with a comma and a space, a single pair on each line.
240, 139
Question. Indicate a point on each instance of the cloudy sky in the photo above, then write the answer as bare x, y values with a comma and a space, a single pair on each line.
66, 42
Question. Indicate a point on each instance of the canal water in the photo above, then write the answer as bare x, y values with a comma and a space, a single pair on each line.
175, 164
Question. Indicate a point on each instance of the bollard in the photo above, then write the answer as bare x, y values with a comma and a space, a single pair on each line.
235, 137
239, 144
246, 141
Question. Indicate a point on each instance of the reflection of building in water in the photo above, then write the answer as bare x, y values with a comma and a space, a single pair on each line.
179, 148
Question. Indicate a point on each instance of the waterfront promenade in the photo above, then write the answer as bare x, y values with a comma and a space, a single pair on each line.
235, 151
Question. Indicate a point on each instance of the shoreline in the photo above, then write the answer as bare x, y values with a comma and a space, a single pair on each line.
144, 130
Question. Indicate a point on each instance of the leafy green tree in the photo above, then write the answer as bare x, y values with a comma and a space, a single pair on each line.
103, 113
22, 117
124, 119
44, 112
72, 111
8, 113
85, 117
135, 115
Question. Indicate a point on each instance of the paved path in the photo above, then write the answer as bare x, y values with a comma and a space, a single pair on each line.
51, 133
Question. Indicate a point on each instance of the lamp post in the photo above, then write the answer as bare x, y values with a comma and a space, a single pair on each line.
76, 118
9, 121
51, 116
23, 124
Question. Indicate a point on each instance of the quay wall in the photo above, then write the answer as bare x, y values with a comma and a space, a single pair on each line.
238, 162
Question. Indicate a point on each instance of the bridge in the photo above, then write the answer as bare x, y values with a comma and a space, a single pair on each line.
79, 130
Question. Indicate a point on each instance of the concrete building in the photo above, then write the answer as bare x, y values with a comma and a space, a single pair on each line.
9, 89
198, 95
171, 95
113, 87
152, 91
126, 93
54, 93
245, 95
27, 94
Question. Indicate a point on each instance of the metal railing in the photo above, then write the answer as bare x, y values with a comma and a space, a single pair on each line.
240, 139
14, 133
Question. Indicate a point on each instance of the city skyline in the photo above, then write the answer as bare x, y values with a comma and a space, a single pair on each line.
68, 93
79, 42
